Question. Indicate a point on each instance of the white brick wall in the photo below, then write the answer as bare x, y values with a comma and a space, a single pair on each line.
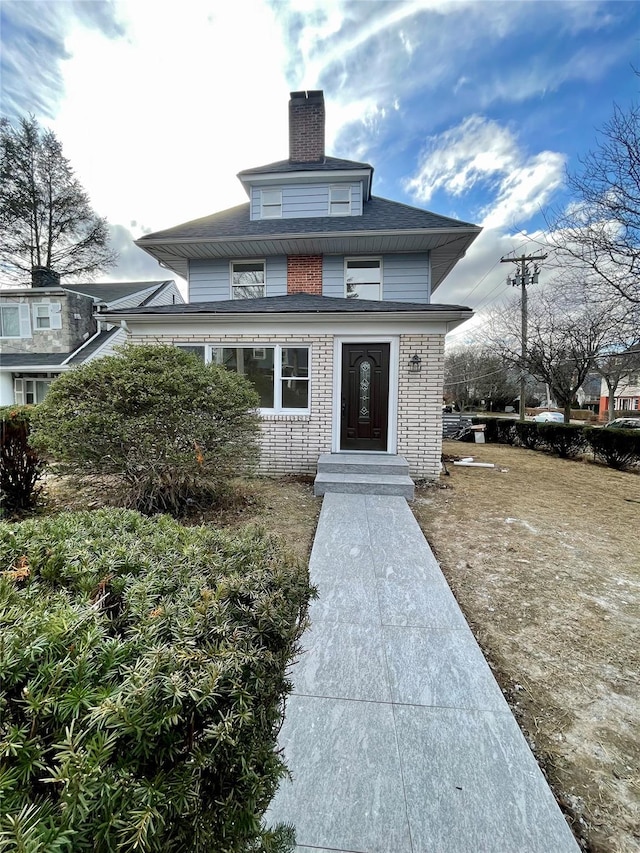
291, 444
420, 404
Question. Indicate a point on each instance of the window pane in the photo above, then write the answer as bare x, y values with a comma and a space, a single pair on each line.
271, 197
259, 371
295, 394
295, 362
340, 193
363, 291
252, 291
195, 349
10, 321
248, 273
42, 386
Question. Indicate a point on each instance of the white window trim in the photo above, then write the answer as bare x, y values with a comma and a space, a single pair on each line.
277, 409
20, 388
365, 258
262, 261
270, 210
394, 355
333, 187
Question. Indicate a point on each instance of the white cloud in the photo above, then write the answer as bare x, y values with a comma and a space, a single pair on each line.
480, 153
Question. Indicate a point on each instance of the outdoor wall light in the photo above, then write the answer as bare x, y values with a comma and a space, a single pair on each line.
415, 363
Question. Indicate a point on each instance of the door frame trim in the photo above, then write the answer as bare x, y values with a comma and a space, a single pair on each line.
392, 412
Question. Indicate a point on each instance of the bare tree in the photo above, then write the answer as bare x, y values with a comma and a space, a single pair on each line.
565, 336
474, 373
599, 232
46, 219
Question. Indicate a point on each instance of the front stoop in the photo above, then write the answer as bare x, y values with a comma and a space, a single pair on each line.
363, 474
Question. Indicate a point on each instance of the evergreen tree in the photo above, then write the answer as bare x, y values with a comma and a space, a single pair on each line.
46, 219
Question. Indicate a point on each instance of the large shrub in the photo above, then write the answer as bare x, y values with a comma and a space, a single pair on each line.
167, 426
618, 448
20, 466
567, 440
142, 680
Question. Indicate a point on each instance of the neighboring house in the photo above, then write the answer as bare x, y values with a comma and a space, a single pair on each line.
627, 396
320, 294
49, 328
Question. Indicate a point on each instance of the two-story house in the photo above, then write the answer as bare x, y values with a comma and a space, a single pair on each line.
49, 328
320, 293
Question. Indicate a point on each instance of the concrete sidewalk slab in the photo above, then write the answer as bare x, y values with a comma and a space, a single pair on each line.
397, 735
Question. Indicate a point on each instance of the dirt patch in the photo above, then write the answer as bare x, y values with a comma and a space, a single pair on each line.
543, 555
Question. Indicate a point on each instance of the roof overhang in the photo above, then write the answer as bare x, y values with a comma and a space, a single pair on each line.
447, 246
392, 321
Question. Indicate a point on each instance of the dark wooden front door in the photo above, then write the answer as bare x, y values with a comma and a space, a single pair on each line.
365, 397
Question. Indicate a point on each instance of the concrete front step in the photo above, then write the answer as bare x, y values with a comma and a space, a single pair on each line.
364, 484
362, 463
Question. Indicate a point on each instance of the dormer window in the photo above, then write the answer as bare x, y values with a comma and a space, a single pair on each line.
340, 201
271, 204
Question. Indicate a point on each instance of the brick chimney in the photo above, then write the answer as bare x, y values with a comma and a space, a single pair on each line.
44, 277
306, 127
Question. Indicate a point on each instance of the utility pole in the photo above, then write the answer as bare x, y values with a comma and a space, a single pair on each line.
527, 270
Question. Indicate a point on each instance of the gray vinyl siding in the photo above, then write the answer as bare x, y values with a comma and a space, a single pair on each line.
169, 295
210, 280
405, 278
306, 200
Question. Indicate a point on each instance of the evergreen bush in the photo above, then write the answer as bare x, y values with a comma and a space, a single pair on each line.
20, 466
528, 435
167, 427
142, 682
567, 440
617, 448
498, 430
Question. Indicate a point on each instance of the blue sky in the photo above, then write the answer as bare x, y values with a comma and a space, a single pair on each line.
470, 108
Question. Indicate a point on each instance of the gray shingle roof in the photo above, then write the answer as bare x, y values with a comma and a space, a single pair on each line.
111, 291
379, 214
92, 346
32, 359
292, 304
329, 164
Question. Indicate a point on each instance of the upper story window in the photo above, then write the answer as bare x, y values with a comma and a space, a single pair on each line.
14, 321
271, 204
340, 201
47, 315
363, 278
247, 279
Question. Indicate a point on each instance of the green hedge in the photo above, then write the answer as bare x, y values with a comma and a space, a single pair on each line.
618, 448
20, 466
142, 681
498, 430
567, 440
528, 435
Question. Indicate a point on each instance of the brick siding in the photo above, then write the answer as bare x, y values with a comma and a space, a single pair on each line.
304, 274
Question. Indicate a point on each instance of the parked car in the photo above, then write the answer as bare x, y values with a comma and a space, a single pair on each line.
545, 417
624, 423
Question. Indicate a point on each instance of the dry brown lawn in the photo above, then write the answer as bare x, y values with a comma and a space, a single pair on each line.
543, 555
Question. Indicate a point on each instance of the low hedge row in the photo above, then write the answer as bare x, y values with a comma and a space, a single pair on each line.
617, 448
142, 683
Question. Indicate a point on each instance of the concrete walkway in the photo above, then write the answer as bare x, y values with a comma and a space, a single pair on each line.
397, 736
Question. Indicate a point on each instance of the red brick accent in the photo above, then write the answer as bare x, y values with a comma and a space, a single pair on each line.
306, 127
304, 274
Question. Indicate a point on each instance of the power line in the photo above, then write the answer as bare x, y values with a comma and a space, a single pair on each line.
475, 378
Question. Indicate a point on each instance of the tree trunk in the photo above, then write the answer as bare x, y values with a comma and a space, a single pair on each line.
612, 401
567, 413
